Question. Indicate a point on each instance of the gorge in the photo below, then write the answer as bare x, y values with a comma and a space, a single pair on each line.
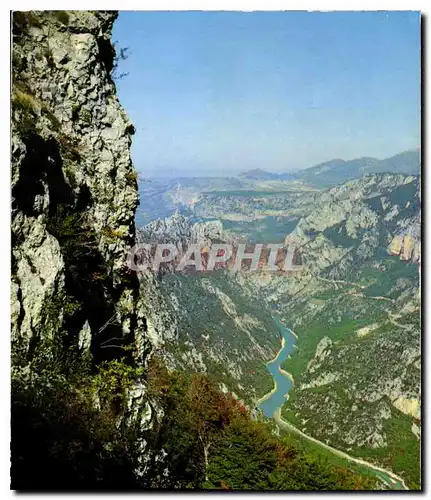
125, 380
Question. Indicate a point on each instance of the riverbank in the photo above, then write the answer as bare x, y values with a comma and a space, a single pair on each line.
283, 343
286, 374
274, 390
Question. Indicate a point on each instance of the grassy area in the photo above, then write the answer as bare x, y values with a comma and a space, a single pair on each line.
310, 335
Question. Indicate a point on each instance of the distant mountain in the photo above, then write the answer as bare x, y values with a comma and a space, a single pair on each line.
408, 162
337, 171
161, 198
258, 174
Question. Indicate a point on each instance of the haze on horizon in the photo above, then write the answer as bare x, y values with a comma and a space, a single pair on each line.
216, 93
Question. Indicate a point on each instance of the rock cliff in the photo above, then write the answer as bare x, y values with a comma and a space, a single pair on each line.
74, 189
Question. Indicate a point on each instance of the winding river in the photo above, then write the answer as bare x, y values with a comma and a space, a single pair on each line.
283, 381
272, 402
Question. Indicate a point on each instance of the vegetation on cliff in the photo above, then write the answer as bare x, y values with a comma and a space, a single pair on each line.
69, 431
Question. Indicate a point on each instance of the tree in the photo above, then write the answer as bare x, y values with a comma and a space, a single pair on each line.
209, 412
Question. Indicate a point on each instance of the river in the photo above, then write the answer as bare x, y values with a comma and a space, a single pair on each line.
283, 382
272, 402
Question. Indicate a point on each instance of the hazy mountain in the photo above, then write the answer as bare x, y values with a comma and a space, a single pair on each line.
162, 198
336, 171
263, 175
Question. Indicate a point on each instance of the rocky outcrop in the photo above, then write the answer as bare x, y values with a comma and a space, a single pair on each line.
406, 247
348, 223
74, 189
355, 309
182, 231
407, 242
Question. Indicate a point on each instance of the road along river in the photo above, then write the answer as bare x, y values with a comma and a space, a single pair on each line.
272, 402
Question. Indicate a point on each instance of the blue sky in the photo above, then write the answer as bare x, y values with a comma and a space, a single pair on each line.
222, 92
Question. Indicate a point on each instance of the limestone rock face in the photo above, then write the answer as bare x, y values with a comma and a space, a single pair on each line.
74, 197
348, 223
182, 232
407, 242
74, 189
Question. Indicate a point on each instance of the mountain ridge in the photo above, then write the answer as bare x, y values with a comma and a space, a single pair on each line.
407, 162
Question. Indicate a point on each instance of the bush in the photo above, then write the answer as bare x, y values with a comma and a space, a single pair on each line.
62, 440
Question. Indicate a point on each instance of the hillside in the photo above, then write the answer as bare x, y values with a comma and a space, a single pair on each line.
356, 311
354, 306
215, 326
